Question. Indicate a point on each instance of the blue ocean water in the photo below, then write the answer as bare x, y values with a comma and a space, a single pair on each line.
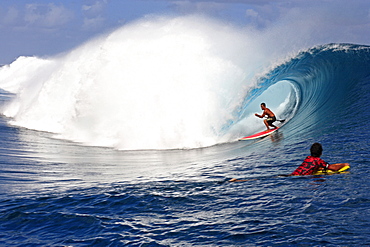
59, 192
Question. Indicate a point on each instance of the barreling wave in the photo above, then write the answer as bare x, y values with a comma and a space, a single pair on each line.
168, 85
321, 77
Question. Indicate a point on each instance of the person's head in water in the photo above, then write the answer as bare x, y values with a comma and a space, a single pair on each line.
316, 150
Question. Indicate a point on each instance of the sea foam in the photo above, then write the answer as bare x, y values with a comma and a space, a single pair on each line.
160, 83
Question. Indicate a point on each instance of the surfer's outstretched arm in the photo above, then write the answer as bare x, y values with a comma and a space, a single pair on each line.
257, 115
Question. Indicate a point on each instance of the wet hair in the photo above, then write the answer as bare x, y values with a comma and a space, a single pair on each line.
316, 150
263, 104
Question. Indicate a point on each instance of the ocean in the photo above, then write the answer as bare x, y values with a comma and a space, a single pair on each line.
131, 140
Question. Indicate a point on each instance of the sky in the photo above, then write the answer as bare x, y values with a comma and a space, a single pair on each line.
48, 27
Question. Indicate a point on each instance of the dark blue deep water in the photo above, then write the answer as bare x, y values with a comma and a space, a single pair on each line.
59, 193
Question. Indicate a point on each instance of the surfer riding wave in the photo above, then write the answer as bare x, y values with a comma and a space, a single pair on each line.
271, 118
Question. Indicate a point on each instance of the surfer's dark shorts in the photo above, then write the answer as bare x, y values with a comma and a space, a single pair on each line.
270, 120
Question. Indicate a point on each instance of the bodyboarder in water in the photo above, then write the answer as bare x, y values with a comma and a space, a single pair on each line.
271, 118
309, 166
314, 163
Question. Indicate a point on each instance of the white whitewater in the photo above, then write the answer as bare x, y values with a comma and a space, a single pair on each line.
162, 83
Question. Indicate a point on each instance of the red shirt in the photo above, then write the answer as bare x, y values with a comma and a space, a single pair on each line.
310, 165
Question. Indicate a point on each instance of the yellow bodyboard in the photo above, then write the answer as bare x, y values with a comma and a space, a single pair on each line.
327, 172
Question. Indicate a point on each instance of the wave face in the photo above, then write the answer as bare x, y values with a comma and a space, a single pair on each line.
163, 84
324, 77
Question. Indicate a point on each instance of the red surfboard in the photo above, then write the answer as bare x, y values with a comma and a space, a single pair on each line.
259, 135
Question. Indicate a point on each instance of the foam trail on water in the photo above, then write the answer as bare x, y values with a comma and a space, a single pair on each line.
153, 84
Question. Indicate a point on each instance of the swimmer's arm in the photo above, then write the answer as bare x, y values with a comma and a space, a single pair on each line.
338, 166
